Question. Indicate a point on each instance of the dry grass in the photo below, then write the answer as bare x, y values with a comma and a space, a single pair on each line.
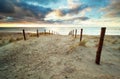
15, 39
72, 47
12, 39
6, 38
83, 43
35, 35
1, 42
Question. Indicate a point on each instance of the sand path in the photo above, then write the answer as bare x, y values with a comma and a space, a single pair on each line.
56, 57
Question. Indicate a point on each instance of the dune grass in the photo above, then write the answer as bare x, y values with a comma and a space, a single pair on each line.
83, 43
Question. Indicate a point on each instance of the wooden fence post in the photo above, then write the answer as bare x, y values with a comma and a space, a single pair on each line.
53, 32
49, 32
75, 33
37, 33
24, 34
70, 33
98, 53
81, 32
45, 31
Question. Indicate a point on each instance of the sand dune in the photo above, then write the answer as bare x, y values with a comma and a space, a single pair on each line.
60, 57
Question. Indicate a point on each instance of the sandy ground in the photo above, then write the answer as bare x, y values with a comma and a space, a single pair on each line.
60, 57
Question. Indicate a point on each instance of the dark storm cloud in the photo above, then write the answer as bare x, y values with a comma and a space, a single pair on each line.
20, 9
6, 6
38, 11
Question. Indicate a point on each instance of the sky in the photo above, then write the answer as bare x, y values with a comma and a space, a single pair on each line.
103, 13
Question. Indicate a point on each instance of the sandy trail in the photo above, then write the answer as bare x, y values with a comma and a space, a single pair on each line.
57, 57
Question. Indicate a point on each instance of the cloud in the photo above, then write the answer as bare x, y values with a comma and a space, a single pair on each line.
17, 15
73, 14
113, 10
58, 17
1, 17
72, 20
6, 6
21, 10
57, 13
69, 11
74, 10
78, 18
49, 11
104, 22
38, 11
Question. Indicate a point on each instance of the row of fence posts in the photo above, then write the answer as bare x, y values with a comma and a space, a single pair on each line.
100, 45
37, 33
99, 49
74, 33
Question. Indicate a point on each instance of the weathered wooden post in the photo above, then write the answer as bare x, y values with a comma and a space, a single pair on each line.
45, 31
49, 32
81, 32
70, 32
24, 34
37, 33
75, 33
52, 32
98, 53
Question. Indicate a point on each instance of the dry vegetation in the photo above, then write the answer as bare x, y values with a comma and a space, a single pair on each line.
83, 43
6, 38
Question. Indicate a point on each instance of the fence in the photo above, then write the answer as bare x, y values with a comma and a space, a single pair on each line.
99, 49
74, 33
38, 33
